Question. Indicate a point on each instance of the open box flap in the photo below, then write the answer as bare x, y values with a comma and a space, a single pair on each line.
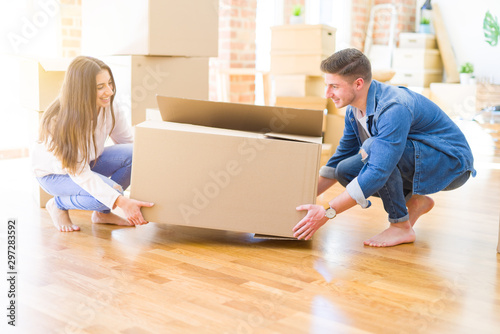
245, 117
183, 127
54, 65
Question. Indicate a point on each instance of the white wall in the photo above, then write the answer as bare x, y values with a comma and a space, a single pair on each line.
464, 23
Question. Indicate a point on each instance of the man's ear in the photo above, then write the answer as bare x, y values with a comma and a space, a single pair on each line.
359, 83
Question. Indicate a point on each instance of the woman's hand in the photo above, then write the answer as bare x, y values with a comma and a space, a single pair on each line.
132, 209
314, 219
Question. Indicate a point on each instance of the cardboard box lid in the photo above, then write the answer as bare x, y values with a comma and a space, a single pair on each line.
245, 117
55, 65
410, 35
295, 27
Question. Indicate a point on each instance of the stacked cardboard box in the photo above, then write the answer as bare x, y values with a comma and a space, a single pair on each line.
42, 80
296, 54
153, 47
417, 61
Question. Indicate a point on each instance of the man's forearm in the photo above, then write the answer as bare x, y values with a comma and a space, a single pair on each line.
324, 184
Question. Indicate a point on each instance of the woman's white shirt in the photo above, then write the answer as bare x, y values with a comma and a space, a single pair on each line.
45, 163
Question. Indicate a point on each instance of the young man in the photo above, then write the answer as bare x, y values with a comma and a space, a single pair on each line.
397, 145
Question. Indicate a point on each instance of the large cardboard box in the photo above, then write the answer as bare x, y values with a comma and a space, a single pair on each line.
417, 59
41, 196
456, 100
299, 38
299, 85
306, 102
419, 78
498, 247
140, 78
334, 130
41, 81
417, 41
307, 63
151, 27
227, 166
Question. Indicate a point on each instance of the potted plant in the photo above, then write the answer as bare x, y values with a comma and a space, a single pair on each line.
466, 71
297, 16
425, 26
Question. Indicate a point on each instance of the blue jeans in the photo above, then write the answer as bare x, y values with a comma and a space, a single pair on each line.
114, 166
399, 187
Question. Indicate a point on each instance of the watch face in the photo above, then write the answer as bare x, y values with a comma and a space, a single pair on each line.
330, 213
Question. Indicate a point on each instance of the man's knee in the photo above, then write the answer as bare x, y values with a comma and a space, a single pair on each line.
365, 149
364, 155
348, 169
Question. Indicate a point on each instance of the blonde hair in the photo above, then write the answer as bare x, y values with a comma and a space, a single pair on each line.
68, 125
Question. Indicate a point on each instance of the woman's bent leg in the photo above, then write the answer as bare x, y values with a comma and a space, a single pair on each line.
115, 162
70, 196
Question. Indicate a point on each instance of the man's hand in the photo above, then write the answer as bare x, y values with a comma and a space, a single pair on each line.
314, 219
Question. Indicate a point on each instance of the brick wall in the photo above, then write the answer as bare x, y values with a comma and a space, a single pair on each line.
71, 27
236, 49
361, 15
237, 36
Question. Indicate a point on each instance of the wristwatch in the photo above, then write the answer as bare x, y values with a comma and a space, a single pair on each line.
330, 213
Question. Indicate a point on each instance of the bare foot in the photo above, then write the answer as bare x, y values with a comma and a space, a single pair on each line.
396, 234
60, 218
418, 205
109, 218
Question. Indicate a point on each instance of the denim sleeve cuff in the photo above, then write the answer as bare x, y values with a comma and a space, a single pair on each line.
354, 190
328, 172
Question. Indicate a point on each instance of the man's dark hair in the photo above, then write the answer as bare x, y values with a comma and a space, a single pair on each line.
349, 63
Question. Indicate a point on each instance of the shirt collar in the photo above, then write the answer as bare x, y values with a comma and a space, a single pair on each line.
370, 99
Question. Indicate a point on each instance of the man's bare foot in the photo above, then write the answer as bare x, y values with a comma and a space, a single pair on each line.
109, 218
418, 205
60, 218
396, 234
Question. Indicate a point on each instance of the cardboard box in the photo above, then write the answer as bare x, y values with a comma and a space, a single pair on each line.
420, 78
334, 130
41, 196
417, 41
498, 247
306, 102
307, 63
140, 78
41, 81
300, 38
326, 153
456, 100
227, 166
151, 27
299, 85
417, 59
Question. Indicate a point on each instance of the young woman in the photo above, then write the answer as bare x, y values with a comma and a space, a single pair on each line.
71, 161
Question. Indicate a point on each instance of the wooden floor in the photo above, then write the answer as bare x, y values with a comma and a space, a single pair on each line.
167, 279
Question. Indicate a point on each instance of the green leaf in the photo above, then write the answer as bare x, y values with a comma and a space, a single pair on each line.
491, 29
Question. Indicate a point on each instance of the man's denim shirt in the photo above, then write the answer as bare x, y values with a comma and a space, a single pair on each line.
395, 115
